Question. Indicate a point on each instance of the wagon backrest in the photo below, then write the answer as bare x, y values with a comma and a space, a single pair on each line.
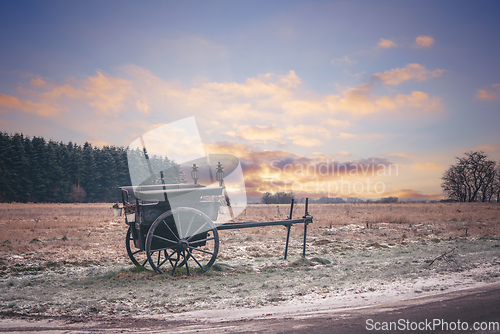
155, 197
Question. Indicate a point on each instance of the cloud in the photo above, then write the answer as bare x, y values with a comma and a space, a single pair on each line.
280, 170
302, 107
365, 136
344, 135
419, 100
8, 102
359, 101
260, 133
106, 94
142, 107
491, 149
414, 71
424, 41
344, 61
491, 93
303, 141
301, 135
38, 82
386, 43
426, 166
484, 95
412, 193
103, 105
267, 99
338, 123
103, 93
487, 147
263, 85
399, 155
304, 129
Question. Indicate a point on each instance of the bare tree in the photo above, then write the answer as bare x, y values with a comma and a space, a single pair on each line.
497, 181
471, 179
266, 198
454, 183
277, 198
490, 185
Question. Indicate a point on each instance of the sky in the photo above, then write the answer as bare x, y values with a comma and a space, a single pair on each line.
324, 98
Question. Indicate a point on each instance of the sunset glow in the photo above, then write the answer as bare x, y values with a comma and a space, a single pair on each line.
390, 92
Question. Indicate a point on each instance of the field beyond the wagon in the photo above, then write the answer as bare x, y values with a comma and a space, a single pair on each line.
70, 259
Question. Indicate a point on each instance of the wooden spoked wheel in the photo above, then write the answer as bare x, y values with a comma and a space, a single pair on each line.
182, 239
138, 257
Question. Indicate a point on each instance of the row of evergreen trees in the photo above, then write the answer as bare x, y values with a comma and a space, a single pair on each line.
36, 170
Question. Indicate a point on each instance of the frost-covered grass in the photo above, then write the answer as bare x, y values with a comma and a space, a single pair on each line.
79, 265
109, 289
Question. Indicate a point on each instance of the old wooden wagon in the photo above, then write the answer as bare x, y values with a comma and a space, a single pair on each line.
174, 226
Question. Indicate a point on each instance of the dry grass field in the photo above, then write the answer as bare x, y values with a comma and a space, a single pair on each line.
88, 233
52, 255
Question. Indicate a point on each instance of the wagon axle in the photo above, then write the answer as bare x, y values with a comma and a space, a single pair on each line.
182, 245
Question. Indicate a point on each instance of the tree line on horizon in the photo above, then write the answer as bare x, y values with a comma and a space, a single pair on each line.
37, 170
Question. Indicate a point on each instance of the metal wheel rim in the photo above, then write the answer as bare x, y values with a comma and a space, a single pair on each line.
138, 257
171, 257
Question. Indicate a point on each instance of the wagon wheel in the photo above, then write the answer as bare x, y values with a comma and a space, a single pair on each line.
182, 237
138, 257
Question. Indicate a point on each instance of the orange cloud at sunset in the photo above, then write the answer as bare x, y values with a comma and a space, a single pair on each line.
103, 93
27, 106
260, 133
491, 94
416, 72
359, 101
301, 140
338, 123
427, 166
482, 94
263, 85
106, 94
265, 99
38, 82
399, 155
365, 136
386, 43
268, 97
304, 82
424, 41
313, 177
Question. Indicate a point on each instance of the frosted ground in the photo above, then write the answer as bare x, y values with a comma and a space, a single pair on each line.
77, 266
